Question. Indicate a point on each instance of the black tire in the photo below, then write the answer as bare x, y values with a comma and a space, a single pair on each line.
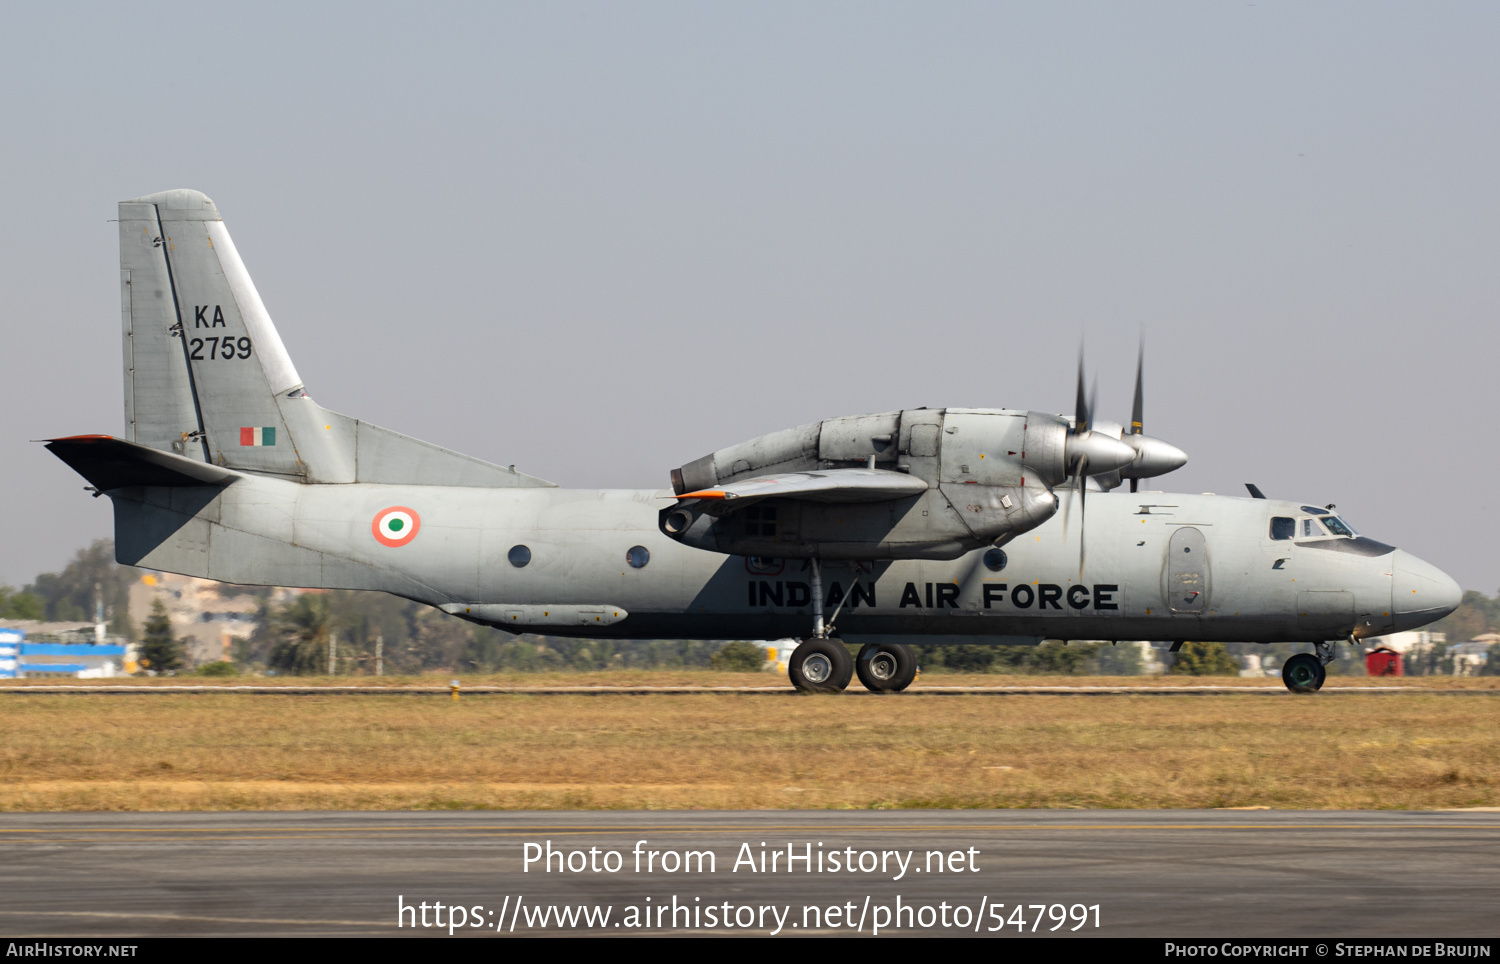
820, 666
1303, 673
887, 667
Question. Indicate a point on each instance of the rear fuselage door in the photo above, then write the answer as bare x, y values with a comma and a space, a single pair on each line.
1187, 571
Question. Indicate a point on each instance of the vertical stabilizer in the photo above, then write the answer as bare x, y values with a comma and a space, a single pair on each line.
206, 373
207, 377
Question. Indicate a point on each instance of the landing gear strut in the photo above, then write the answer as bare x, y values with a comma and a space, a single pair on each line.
821, 664
1305, 673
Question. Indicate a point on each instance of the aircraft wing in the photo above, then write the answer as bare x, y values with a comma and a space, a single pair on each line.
829, 485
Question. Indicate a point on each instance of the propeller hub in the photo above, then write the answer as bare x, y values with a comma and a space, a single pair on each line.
1104, 454
1153, 457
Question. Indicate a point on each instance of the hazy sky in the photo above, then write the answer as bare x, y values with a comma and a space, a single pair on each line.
600, 240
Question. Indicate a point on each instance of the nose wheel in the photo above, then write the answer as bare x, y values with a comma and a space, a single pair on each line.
886, 668
1304, 673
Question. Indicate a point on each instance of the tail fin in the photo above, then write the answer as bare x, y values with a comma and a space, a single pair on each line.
207, 377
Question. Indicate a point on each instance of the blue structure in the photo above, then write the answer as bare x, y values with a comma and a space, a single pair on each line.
10, 652
20, 658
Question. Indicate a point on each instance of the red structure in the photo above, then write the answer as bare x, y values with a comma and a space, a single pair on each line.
1383, 661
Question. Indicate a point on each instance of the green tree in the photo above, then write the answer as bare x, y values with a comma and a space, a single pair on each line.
1058, 658
739, 657
160, 652
70, 595
299, 633
967, 658
21, 605
1476, 614
1433, 660
1204, 659
1119, 660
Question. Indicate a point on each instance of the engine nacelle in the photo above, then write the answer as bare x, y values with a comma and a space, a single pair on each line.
989, 474
928, 526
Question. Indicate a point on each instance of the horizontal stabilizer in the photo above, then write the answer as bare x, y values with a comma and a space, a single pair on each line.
113, 463
831, 485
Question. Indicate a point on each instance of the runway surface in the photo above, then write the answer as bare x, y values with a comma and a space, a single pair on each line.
1164, 873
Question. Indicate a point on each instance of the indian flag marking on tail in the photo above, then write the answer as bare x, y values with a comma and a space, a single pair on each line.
258, 436
395, 526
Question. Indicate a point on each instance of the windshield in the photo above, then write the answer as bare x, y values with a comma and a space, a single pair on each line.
1338, 527
1311, 529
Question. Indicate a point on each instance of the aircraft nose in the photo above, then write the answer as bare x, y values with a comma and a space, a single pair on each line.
1420, 592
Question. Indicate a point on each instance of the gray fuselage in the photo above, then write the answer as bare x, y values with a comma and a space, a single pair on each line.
1157, 566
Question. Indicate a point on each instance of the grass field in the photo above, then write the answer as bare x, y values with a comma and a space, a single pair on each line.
226, 751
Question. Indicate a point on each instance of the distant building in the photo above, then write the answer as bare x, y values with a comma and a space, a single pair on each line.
80, 659
1416, 640
1470, 658
10, 652
202, 611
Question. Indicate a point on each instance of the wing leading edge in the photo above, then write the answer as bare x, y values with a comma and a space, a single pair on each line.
831, 485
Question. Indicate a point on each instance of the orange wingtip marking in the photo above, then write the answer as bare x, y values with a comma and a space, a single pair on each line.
81, 438
705, 494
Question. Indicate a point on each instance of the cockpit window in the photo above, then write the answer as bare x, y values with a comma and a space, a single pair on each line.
1337, 526
1311, 529
1314, 510
1283, 528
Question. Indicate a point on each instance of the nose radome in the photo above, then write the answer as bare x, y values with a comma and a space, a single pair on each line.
1420, 592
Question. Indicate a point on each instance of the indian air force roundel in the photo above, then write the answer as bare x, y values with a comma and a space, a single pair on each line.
396, 526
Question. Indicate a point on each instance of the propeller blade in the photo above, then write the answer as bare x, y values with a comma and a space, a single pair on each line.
1081, 482
1080, 405
1083, 489
1137, 411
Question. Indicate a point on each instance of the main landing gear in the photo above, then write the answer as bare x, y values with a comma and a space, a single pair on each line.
1305, 672
821, 664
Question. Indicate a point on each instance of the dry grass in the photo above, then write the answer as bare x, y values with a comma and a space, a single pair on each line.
228, 751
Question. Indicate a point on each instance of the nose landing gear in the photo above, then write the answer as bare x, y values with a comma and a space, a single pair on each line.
1305, 672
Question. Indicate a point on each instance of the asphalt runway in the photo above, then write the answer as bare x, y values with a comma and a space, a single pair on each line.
1162, 873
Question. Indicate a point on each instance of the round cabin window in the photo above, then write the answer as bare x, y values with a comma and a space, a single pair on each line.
519, 556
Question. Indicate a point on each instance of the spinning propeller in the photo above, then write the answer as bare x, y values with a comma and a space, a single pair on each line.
1103, 451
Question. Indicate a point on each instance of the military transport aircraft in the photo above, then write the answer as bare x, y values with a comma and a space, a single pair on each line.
933, 524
